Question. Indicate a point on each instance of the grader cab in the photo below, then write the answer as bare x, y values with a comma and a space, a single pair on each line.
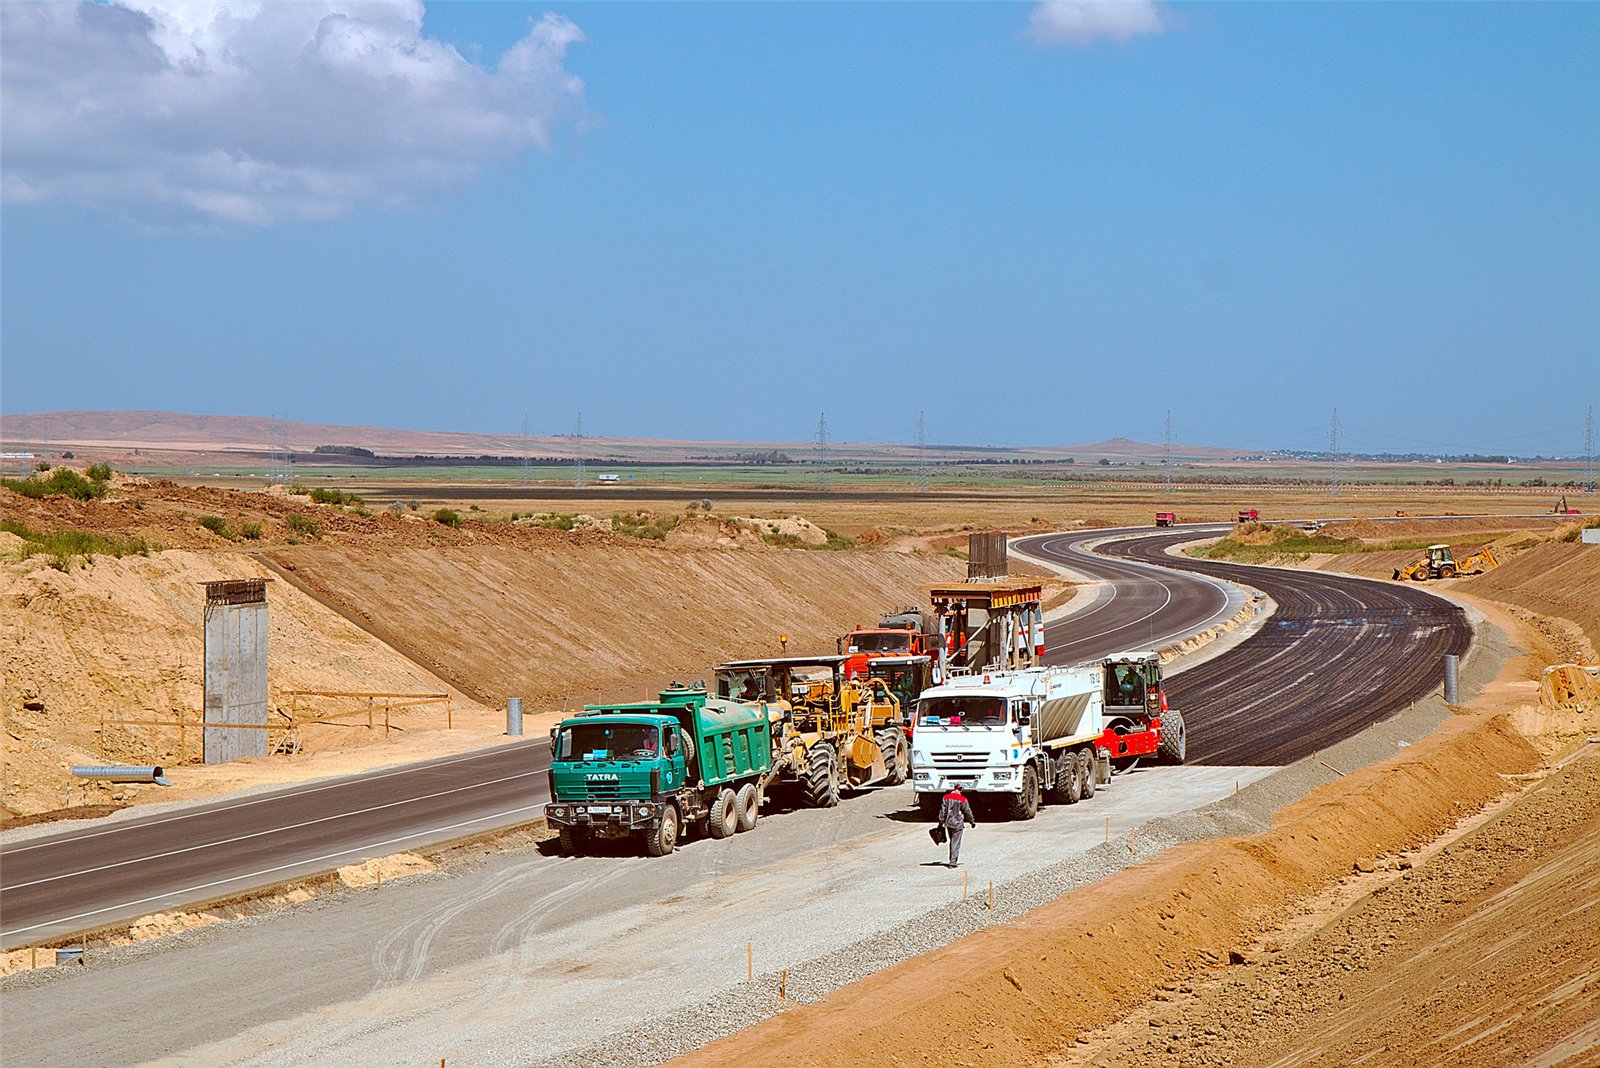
1440, 563
829, 732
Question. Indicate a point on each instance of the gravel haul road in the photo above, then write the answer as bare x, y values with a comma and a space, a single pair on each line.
1339, 654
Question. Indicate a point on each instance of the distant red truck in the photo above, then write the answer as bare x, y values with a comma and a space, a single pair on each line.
1249, 516
1166, 519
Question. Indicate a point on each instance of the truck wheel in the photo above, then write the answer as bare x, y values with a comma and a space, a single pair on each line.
748, 806
664, 838
896, 756
928, 805
572, 843
1025, 805
1174, 740
1447, 571
1086, 762
820, 787
1056, 790
724, 818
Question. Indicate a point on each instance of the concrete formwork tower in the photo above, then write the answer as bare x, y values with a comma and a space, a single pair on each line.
236, 669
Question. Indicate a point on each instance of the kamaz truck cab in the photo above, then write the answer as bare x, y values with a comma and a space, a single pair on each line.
654, 768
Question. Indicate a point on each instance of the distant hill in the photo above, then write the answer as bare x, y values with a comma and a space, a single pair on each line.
192, 435
1144, 450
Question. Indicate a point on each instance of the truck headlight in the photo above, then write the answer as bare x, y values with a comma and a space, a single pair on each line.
647, 810
558, 811
1002, 775
923, 775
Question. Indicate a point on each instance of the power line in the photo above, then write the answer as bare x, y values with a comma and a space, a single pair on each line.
1166, 454
821, 451
922, 453
1589, 451
1333, 454
578, 474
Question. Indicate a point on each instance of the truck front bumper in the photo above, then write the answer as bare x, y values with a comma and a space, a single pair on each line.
983, 780
604, 815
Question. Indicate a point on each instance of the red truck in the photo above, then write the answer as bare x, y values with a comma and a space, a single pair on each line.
1249, 515
1166, 519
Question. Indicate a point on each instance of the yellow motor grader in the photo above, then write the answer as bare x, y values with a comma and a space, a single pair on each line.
829, 732
1441, 564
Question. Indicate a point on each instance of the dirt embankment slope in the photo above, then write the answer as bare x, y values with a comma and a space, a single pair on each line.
1022, 993
122, 638
613, 621
1484, 955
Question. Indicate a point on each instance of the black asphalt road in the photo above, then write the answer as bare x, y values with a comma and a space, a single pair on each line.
78, 880
1340, 654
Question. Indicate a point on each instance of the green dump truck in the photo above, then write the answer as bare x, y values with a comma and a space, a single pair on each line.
654, 769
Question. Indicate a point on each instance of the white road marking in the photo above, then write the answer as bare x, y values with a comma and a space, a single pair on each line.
276, 795
270, 830
269, 871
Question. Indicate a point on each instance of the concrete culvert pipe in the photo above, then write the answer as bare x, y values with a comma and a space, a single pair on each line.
121, 773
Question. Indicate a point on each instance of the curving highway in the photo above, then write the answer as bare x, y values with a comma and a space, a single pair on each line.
1339, 654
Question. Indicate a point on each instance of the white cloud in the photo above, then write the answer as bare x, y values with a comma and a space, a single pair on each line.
170, 112
1081, 23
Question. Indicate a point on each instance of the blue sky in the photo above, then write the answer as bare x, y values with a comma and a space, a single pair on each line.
720, 220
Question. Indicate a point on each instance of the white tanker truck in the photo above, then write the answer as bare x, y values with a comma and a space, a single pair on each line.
1051, 733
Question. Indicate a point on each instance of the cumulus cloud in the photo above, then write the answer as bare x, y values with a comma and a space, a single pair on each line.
1081, 23
173, 112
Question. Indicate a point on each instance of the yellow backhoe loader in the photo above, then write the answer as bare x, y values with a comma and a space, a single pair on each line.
1439, 563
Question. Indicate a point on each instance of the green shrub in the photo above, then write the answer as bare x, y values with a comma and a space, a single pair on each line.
554, 521
64, 546
783, 541
643, 525
217, 525
837, 541
250, 531
41, 466
63, 482
448, 517
100, 472
301, 524
321, 495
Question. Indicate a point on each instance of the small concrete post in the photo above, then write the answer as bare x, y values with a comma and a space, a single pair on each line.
1452, 667
514, 717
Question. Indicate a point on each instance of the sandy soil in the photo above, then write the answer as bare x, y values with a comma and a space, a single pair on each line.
1484, 954
613, 621
122, 639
